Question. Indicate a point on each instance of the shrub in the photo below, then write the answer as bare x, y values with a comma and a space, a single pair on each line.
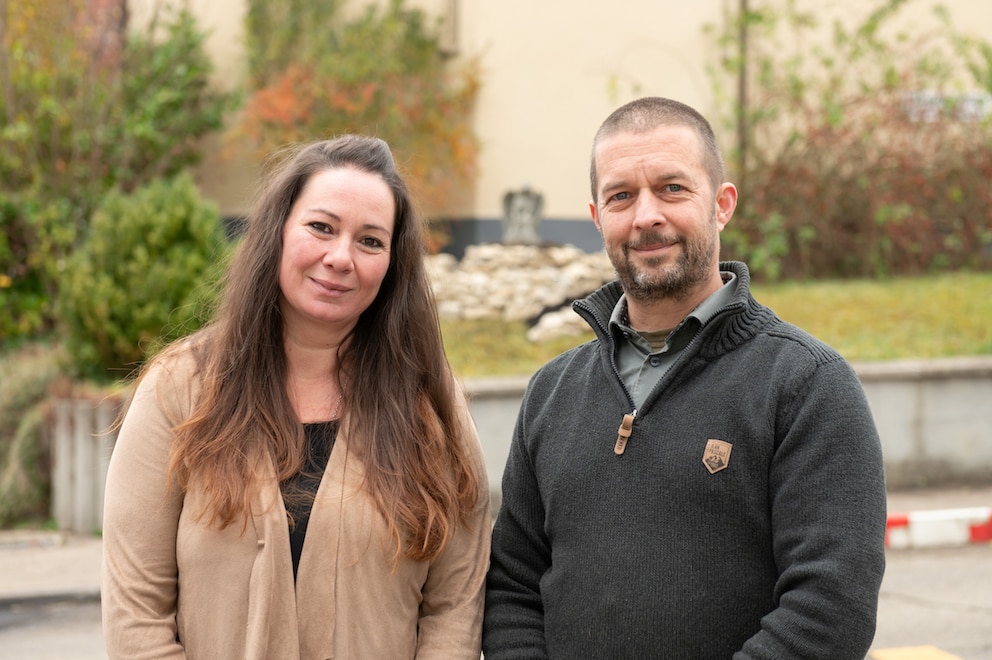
24, 450
86, 107
146, 274
863, 153
314, 73
23, 299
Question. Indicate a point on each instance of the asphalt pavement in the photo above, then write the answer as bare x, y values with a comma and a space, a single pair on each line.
50, 580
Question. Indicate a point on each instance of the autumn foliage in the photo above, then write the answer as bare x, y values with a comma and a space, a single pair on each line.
380, 73
88, 104
868, 142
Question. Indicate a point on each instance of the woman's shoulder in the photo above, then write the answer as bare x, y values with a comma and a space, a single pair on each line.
176, 368
183, 356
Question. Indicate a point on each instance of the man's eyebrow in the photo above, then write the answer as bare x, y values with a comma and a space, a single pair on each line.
617, 183
673, 176
609, 186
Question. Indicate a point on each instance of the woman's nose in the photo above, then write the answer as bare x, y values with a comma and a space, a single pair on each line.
338, 255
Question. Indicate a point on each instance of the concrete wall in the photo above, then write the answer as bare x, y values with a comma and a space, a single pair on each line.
81, 448
934, 418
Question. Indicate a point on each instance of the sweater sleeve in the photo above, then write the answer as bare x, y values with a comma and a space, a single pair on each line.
450, 624
140, 521
521, 555
828, 510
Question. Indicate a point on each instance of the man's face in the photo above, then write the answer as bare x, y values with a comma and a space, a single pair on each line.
658, 213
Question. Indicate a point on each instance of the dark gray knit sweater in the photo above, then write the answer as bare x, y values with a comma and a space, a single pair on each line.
649, 553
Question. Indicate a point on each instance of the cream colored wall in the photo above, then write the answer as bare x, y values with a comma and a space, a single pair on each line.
555, 69
552, 71
226, 176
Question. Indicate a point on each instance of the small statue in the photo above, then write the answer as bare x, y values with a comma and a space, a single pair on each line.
521, 216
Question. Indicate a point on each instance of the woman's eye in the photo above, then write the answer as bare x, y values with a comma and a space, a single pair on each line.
372, 242
321, 227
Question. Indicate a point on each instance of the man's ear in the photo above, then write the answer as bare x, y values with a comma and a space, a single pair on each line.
595, 216
726, 203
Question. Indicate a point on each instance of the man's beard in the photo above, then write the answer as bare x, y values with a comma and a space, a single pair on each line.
657, 281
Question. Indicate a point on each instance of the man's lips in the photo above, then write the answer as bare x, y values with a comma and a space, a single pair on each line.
653, 247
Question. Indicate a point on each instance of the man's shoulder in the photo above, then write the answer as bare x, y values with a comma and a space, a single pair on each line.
568, 364
758, 327
578, 356
787, 334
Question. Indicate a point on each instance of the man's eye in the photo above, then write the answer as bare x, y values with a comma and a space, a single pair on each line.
621, 196
673, 187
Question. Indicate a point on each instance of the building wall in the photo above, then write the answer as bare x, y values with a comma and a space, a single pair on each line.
555, 69
552, 71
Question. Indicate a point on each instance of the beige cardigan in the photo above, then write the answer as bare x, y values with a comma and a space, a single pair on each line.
228, 594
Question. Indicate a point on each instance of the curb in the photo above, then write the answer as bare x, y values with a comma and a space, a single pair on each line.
939, 529
42, 599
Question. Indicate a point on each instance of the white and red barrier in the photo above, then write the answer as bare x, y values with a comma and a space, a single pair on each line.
942, 528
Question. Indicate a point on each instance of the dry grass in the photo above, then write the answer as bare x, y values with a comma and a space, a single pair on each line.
866, 320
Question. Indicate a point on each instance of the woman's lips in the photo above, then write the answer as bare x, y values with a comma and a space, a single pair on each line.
330, 287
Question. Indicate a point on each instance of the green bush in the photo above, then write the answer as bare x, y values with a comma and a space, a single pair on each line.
146, 274
25, 454
82, 113
864, 146
22, 290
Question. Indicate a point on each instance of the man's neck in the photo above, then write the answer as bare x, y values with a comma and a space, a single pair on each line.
665, 313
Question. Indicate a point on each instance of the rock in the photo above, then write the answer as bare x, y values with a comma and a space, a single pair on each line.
560, 323
519, 283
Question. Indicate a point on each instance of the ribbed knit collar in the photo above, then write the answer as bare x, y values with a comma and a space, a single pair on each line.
598, 306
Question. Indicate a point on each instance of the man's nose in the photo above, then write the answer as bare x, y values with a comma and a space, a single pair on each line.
649, 211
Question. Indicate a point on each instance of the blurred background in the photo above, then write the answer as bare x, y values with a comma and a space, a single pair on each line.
132, 133
859, 133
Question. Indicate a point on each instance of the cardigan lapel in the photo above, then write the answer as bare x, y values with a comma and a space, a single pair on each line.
272, 617
317, 577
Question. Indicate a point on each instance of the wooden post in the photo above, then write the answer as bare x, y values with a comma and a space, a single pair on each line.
81, 447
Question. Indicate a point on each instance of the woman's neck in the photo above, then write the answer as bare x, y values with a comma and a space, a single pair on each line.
312, 377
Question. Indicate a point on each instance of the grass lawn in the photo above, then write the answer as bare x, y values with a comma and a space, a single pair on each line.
865, 320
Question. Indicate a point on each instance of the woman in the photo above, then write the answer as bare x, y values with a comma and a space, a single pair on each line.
302, 479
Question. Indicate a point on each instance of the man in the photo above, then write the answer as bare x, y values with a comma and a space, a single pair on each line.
703, 480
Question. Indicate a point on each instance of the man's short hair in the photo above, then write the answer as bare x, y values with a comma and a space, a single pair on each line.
646, 114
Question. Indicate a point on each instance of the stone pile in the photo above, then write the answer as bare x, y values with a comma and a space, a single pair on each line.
531, 283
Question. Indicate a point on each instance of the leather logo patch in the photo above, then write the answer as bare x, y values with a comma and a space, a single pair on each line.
716, 457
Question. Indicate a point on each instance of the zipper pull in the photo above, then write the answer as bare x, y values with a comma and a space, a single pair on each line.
623, 433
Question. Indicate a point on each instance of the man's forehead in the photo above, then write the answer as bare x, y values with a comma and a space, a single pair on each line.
676, 146
671, 135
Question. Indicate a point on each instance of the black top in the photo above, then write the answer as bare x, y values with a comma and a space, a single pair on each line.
320, 440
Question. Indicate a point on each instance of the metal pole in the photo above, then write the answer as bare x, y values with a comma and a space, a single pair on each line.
742, 93
5, 83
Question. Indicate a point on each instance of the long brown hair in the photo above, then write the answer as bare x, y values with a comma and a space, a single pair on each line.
400, 398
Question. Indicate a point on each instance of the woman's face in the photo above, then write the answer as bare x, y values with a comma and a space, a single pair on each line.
336, 249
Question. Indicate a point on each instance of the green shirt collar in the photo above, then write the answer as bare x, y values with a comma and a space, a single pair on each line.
689, 326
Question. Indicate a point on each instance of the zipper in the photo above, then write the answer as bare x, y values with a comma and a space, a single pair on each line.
623, 433
626, 428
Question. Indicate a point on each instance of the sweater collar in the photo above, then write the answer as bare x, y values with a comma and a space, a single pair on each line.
598, 307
